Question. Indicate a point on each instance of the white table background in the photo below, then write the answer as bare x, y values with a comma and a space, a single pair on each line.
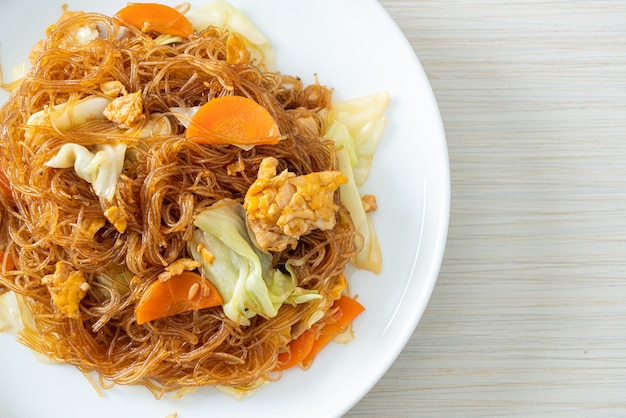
528, 317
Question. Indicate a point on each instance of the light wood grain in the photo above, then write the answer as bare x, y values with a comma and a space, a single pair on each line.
528, 317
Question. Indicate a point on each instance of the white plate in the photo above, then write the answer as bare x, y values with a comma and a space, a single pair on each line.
356, 48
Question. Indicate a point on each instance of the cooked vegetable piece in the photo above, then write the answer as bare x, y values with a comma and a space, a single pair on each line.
185, 292
10, 313
356, 128
15, 317
241, 271
364, 121
235, 120
222, 14
298, 350
156, 17
70, 114
369, 256
303, 350
102, 168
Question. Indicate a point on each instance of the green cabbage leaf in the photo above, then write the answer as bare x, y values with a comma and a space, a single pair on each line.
222, 14
356, 127
363, 119
101, 166
240, 270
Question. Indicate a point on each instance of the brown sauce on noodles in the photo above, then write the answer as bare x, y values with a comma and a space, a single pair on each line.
169, 180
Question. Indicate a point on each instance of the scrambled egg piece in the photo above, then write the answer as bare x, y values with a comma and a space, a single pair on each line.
125, 111
89, 227
236, 50
178, 267
207, 256
281, 208
115, 215
369, 203
235, 167
113, 88
67, 288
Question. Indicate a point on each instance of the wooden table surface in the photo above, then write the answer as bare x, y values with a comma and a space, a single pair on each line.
528, 317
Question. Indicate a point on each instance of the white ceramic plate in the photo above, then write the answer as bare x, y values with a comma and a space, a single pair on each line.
354, 47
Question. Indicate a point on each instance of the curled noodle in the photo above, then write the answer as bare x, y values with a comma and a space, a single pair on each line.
168, 180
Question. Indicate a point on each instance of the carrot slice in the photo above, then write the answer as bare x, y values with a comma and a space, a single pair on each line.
298, 349
304, 348
235, 120
181, 293
348, 309
156, 17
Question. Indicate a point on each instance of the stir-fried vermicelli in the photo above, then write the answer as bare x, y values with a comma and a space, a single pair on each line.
82, 248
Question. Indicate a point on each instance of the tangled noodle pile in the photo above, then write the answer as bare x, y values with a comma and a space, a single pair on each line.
53, 216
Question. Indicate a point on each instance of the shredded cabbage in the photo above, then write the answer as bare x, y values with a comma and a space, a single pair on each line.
166, 39
184, 114
369, 255
241, 271
11, 314
364, 120
102, 168
224, 15
70, 114
82, 35
19, 72
75, 37
17, 320
356, 128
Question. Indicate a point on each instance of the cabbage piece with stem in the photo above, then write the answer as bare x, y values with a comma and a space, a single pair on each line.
241, 271
356, 127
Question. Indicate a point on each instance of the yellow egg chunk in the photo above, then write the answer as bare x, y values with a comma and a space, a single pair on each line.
281, 208
67, 288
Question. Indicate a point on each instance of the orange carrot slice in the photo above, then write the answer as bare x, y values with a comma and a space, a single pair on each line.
156, 17
298, 350
303, 349
347, 310
185, 292
235, 120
